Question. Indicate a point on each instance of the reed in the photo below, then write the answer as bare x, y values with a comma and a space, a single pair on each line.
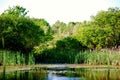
14, 58
98, 58
31, 59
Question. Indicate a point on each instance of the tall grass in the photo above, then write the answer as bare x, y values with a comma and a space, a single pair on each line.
31, 59
82, 57
14, 58
98, 57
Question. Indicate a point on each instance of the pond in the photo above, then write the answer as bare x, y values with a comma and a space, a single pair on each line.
63, 74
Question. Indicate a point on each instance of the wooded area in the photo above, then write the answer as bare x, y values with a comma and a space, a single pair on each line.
60, 42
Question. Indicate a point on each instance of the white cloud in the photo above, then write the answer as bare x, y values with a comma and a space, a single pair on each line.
63, 10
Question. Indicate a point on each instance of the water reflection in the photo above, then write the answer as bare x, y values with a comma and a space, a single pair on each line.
69, 74
58, 77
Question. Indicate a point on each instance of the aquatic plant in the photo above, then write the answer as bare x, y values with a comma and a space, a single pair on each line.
98, 58
15, 58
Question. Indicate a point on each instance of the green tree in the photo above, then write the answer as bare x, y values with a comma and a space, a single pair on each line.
102, 31
19, 33
69, 43
16, 10
59, 28
109, 19
71, 28
95, 37
42, 23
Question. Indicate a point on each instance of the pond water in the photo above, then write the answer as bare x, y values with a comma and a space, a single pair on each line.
62, 74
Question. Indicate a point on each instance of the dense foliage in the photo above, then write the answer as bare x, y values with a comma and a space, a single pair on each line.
19, 33
103, 31
59, 42
64, 52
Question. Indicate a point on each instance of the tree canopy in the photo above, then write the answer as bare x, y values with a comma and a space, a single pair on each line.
103, 30
16, 10
19, 33
59, 42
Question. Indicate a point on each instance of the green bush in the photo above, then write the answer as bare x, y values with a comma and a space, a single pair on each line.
56, 56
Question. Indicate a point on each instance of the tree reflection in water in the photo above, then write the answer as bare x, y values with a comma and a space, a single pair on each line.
57, 77
69, 74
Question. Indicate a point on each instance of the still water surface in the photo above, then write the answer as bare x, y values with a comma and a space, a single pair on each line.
65, 74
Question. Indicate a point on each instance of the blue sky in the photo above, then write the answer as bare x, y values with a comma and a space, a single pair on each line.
62, 10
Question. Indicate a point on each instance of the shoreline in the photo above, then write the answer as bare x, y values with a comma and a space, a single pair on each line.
58, 66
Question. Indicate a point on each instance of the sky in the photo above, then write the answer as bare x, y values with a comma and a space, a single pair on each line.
62, 10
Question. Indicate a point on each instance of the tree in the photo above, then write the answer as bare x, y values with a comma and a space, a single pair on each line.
69, 43
109, 19
42, 23
16, 10
19, 33
7, 23
95, 37
59, 28
71, 28
102, 31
